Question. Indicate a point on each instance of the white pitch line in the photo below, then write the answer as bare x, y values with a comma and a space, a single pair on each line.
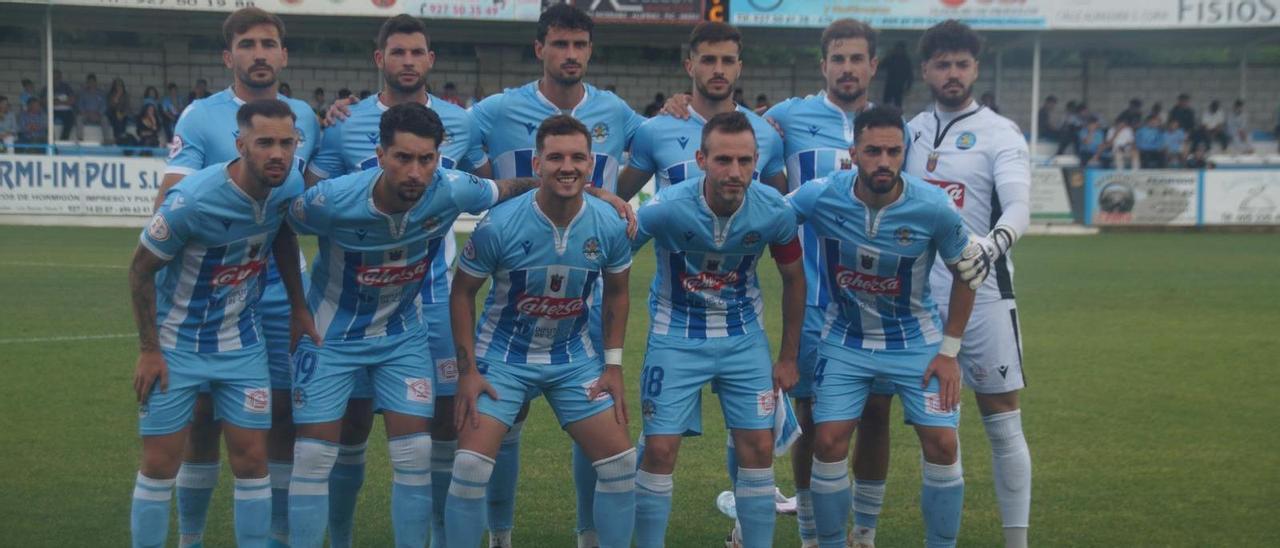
64, 265
67, 338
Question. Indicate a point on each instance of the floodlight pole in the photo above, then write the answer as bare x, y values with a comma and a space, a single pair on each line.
1035, 97
48, 77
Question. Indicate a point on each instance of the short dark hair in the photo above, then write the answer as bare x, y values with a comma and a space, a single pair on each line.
727, 122
268, 108
949, 36
1183, 97
564, 16
243, 19
202, 81
27, 82
91, 76
401, 24
1051, 98
842, 29
558, 125
877, 116
413, 118
714, 31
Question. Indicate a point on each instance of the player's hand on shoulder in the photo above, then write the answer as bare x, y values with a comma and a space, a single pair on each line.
150, 372
471, 384
975, 261
677, 106
340, 110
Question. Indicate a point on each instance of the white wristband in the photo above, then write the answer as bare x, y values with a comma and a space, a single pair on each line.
613, 356
950, 346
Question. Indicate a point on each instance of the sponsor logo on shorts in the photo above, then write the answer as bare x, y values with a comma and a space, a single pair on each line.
237, 274
447, 370
418, 390
933, 405
586, 390
868, 283
257, 400
552, 308
765, 403
704, 281
158, 230
382, 276
954, 190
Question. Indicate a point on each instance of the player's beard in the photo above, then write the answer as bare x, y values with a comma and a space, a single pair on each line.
566, 80
843, 97
410, 195
882, 188
393, 82
939, 95
269, 180
246, 77
703, 91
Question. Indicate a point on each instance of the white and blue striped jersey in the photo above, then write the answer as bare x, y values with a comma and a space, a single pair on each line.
371, 266
877, 262
665, 146
206, 133
508, 124
543, 278
216, 240
706, 284
350, 146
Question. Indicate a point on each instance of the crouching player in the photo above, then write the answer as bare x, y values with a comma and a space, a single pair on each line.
707, 324
878, 231
197, 278
380, 230
545, 251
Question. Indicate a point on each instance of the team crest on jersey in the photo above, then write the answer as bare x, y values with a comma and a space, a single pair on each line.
557, 282
966, 140
158, 230
469, 250
752, 238
868, 262
648, 409
904, 236
299, 398
175, 146
591, 249
600, 132
395, 254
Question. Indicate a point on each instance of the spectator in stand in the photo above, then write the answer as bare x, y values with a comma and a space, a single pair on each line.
1238, 129
1071, 125
1149, 140
451, 94
1133, 115
898, 73
8, 125
149, 127
91, 109
652, 109
118, 111
28, 92
1184, 114
1199, 158
1089, 142
1048, 120
318, 103
33, 126
285, 90
344, 93
170, 110
364, 94
988, 100
1214, 126
477, 95
199, 92
738, 98
762, 104
151, 96
1120, 140
1157, 110
1175, 143
64, 102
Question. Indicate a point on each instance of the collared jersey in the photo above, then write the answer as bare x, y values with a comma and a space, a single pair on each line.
508, 124
706, 284
372, 265
216, 239
543, 278
665, 147
877, 262
206, 133
350, 146
979, 154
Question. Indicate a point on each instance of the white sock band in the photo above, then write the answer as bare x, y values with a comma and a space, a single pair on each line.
471, 472
253, 488
657, 484
351, 454
616, 474
312, 463
829, 477
158, 490
410, 459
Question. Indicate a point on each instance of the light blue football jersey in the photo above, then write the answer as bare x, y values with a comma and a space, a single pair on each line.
877, 262
217, 240
706, 284
350, 146
665, 146
508, 124
371, 265
543, 279
206, 133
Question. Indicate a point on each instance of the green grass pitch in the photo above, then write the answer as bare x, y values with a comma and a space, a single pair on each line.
1151, 411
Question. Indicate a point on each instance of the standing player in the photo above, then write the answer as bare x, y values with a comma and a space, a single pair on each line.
205, 135
196, 279
878, 232
545, 252
380, 231
666, 145
404, 58
980, 158
507, 123
707, 324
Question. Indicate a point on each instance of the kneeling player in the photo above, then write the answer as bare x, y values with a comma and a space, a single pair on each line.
380, 231
545, 251
709, 233
878, 231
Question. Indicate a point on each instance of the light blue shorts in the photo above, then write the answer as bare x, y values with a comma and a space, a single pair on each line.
564, 385
435, 318
676, 368
397, 367
236, 379
844, 377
